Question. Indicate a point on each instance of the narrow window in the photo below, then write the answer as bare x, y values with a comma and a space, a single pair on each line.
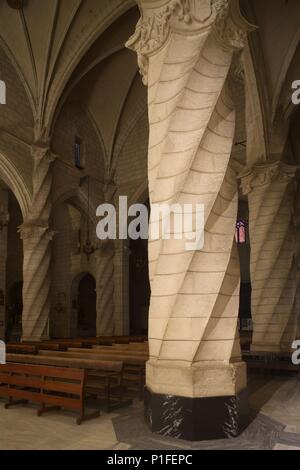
78, 156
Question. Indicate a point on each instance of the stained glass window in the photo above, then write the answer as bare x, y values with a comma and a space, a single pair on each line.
241, 231
78, 154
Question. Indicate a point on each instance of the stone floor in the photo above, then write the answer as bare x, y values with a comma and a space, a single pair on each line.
275, 401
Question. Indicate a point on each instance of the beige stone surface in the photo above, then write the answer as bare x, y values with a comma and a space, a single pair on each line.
271, 193
217, 100
192, 123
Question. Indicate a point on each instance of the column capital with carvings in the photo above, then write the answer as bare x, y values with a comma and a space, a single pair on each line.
34, 229
41, 152
160, 18
263, 174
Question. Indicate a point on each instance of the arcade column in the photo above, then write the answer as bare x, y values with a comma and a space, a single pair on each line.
196, 380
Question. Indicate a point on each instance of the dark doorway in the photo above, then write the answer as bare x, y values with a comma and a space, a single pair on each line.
14, 312
84, 302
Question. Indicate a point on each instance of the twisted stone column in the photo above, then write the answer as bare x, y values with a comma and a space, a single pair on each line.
4, 219
292, 331
185, 51
37, 235
105, 289
271, 195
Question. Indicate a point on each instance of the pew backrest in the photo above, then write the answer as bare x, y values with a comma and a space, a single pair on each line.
49, 358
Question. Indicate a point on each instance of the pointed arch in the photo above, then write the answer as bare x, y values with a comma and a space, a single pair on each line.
13, 179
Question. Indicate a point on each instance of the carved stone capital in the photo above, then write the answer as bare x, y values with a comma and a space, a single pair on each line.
42, 153
266, 173
231, 28
186, 16
154, 27
109, 187
35, 230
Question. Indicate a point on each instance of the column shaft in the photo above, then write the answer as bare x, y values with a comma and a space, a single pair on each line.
37, 236
105, 290
4, 218
185, 52
271, 195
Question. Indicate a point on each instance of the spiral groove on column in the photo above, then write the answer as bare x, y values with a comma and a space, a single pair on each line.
292, 331
271, 194
105, 291
37, 236
194, 294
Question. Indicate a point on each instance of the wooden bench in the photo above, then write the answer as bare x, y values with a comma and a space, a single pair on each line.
280, 366
134, 365
128, 358
55, 386
266, 357
47, 347
107, 374
122, 348
21, 348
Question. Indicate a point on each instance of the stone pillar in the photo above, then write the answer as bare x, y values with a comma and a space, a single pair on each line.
105, 288
292, 331
271, 194
121, 279
4, 218
37, 235
196, 381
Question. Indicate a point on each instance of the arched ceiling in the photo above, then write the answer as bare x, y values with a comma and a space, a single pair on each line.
274, 44
46, 40
274, 52
107, 85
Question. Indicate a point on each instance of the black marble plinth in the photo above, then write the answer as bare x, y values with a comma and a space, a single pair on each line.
196, 419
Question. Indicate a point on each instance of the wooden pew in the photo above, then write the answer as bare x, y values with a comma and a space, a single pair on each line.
55, 345
55, 386
47, 347
130, 346
21, 348
107, 374
89, 354
134, 365
280, 366
116, 348
95, 342
31, 348
126, 357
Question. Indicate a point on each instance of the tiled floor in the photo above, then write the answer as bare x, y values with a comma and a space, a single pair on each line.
276, 426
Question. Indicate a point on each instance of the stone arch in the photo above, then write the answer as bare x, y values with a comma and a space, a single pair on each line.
13, 179
80, 200
112, 11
